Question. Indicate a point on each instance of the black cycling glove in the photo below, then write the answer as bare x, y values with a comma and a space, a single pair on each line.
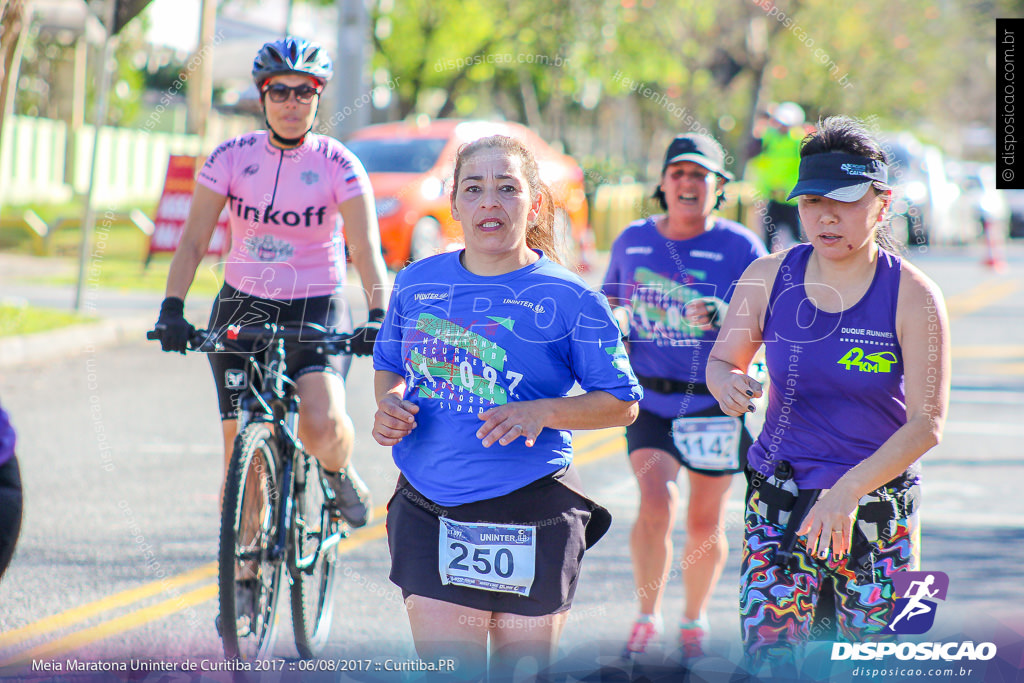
364, 336
172, 327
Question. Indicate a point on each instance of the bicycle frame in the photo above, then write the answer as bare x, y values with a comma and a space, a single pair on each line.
273, 399
268, 414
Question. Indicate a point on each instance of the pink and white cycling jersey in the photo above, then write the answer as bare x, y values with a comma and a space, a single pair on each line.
286, 239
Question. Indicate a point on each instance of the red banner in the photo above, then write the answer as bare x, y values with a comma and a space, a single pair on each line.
171, 212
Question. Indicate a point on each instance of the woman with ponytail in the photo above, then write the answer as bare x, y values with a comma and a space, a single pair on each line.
475, 361
857, 344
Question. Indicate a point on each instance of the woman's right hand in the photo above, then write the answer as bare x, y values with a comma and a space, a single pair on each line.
394, 419
737, 391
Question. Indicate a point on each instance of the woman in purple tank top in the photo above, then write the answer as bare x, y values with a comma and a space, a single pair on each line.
857, 346
10, 493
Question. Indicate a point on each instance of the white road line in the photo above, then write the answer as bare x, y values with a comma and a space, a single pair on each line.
987, 397
984, 428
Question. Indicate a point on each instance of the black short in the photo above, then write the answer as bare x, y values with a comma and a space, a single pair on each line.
654, 431
567, 523
231, 371
10, 510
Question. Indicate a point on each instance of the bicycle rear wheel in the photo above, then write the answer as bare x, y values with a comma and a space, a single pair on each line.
249, 574
313, 560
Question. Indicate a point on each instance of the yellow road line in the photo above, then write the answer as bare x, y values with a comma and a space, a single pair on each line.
363, 536
160, 610
977, 298
595, 446
602, 451
584, 440
114, 626
77, 614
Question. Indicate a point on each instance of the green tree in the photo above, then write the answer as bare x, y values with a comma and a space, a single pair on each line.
638, 71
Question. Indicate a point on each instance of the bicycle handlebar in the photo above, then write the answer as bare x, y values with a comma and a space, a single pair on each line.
207, 341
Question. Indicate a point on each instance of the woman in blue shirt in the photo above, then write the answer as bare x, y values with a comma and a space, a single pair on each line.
475, 361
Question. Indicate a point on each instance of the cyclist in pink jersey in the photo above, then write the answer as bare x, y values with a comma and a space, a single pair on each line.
288, 192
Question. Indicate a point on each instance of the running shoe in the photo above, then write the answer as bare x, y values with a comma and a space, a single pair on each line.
646, 635
691, 638
245, 608
349, 496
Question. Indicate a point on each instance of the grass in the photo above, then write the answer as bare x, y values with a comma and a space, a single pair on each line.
117, 240
120, 275
117, 258
18, 319
116, 263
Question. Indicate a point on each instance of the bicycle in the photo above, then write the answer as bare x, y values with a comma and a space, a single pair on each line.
273, 515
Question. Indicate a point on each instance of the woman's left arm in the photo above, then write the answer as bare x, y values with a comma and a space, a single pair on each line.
592, 410
923, 330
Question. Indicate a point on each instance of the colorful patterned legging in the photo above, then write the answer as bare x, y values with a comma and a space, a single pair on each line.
777, 606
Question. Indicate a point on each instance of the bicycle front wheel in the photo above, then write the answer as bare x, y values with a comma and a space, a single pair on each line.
313, 560
249, 572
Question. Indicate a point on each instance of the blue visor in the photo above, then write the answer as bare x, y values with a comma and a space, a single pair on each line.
843, 177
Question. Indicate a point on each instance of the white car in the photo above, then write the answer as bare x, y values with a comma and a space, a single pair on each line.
921, 200
976, 203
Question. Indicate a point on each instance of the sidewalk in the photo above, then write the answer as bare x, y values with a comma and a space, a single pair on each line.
122, 317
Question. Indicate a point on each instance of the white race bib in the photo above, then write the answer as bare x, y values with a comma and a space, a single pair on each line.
708, 443
491, 557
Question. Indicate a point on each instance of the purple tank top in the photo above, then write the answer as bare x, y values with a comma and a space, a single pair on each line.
836, 378
7, 438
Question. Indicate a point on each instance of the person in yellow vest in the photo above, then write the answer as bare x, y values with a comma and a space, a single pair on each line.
773, 169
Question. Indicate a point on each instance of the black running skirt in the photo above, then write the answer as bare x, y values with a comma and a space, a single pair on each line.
566, 523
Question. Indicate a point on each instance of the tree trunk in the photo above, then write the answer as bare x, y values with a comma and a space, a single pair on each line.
12, 13
12, 16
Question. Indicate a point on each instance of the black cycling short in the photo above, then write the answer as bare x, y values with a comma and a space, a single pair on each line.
567, 523
10, 510
654, 431
232, 372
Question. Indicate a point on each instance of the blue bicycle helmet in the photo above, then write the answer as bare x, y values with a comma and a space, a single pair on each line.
292, 55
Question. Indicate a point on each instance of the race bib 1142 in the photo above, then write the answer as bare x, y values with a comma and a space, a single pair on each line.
708, 443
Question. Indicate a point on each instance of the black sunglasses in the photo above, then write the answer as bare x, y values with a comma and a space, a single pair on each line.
279, 92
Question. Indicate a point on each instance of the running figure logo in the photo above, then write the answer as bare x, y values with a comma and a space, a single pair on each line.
915, 612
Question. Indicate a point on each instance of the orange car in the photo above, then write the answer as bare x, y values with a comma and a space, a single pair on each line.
410, 165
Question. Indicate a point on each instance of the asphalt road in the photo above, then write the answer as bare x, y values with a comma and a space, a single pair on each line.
120, 457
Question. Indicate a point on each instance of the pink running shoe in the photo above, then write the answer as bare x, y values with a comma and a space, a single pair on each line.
691, 639
645, 635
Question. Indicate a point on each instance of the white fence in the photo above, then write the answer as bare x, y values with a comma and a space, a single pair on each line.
37, 163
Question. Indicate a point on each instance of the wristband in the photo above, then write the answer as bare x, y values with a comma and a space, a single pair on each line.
172, 304
716, 312
623, 318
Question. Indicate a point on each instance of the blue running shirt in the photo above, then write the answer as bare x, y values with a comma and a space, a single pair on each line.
657, 276
466, 343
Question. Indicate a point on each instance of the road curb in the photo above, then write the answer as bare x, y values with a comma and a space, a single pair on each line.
34, 349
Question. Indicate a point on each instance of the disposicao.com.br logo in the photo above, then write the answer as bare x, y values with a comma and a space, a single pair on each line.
914, 613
